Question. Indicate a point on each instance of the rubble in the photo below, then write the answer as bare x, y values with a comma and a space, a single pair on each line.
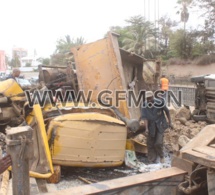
183, 112
183, 140
183, 130
181, 134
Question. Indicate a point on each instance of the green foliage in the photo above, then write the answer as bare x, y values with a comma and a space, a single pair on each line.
166, 25
62, 48
198, 50
28, 64
122, 31
184, 10
65, 44
15, 62
181, 44
138, 36
208, 9
58, 59
46, 61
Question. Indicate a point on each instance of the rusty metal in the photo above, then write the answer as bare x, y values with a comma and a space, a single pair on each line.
6, 113
193, 185
101, 65
19, 146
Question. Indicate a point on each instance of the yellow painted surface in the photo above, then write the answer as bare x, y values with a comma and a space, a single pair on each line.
80, 108
99, 67
40, 122
88, 139
10, 87
41, 148
129, 145
139, 147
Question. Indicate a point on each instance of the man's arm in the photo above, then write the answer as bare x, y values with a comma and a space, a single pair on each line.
144, 118
147, 127
166, 110
5, 162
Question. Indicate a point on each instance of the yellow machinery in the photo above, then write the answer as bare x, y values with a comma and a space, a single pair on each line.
84, 135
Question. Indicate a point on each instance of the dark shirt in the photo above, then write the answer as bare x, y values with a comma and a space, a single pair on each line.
155, 117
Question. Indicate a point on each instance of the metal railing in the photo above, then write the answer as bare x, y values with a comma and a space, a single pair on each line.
188, 93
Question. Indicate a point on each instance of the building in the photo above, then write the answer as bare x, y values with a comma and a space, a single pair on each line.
29, 61
3, 66
19, 52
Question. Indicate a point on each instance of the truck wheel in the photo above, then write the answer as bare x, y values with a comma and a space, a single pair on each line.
199, 117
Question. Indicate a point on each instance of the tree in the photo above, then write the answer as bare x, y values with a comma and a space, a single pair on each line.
165, 26
122, 31
44, 61
141, 35
58, 59
179, 47
15, 62
138, 36
184, 10
208, 9
64, 45
28, 64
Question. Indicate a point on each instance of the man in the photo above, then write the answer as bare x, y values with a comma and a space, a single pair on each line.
152, 114
164, 85
15, 74
5, 162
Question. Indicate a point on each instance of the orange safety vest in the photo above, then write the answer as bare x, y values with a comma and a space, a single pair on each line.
164, 84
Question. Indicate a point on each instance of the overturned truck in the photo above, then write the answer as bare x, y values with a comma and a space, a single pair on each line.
94, 132
87, 133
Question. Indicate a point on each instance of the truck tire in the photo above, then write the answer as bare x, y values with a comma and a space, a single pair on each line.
199, 117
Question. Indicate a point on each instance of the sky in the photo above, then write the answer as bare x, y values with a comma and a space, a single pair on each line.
38, 24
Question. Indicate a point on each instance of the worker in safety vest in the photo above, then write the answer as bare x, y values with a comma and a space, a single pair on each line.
164, 85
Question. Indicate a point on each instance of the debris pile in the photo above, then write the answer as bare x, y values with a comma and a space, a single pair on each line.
181, 134
184, 129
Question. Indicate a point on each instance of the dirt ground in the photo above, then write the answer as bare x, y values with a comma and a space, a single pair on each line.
189, 70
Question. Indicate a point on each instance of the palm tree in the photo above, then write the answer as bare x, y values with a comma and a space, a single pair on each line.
64, 45
139, 35
166, 25
184, 10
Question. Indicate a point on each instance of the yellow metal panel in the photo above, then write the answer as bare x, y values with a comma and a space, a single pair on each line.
39, 118
88, 116
99, 67
88, 139
10, 87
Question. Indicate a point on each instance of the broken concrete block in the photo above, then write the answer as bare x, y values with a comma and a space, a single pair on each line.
183, 112
183, 120
183, 140
194, 132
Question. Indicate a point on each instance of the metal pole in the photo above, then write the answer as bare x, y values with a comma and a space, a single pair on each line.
20, 147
